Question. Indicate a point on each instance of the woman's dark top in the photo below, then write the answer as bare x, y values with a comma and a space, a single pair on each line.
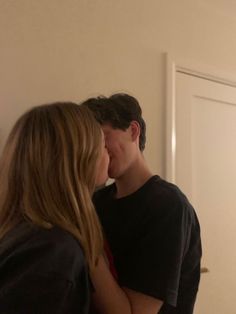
42, 271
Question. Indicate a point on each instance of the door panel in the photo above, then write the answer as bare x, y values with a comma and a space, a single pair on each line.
206, 171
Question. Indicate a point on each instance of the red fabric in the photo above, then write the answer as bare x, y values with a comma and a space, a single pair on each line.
110, 259
113, 271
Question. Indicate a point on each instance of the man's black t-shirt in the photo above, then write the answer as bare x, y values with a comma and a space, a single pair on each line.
42, 271
154, 236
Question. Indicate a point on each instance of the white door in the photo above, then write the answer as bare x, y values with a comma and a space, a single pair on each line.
205, 169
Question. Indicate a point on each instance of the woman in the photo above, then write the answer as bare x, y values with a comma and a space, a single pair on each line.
50, 237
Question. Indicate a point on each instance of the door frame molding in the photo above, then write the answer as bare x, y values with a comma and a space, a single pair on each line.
193, 68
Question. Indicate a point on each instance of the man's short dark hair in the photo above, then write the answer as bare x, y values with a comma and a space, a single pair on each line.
118, 110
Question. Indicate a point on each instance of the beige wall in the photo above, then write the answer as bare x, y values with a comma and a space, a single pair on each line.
71, 49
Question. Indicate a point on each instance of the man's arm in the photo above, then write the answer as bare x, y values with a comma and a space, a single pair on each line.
110, 298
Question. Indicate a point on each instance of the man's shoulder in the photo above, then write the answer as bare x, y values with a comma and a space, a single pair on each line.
165, 196
161, 189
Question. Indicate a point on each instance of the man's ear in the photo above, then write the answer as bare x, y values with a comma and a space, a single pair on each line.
135, 130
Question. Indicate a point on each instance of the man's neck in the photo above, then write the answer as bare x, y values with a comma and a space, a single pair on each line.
133, 179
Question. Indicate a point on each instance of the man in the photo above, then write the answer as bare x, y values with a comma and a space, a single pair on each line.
152, 229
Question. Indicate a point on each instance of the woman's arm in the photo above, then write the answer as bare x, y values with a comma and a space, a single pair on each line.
110, 298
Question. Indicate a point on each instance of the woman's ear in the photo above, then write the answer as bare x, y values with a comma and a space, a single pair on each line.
135, 130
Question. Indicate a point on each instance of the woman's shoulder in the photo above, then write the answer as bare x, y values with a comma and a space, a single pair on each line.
44, 250
59, 244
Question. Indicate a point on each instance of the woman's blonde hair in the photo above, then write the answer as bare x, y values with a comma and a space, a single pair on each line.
48, 172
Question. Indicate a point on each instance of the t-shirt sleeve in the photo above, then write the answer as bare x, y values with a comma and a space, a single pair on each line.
153, 264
